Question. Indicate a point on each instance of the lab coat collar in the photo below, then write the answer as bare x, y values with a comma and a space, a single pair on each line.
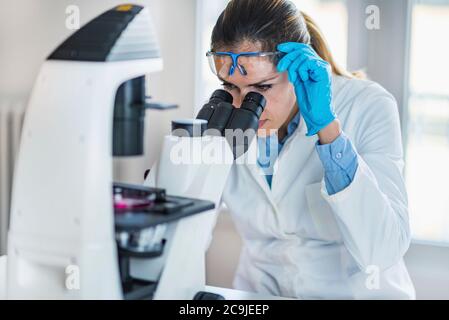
297, 146
257, 174
291, 161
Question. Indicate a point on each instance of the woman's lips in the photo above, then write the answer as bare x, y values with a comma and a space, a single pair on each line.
261, 123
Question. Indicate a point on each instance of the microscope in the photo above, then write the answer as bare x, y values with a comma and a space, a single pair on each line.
74, 232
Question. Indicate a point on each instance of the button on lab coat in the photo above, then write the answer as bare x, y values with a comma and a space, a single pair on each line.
298, 241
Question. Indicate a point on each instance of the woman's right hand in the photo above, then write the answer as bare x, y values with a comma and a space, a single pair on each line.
312, 79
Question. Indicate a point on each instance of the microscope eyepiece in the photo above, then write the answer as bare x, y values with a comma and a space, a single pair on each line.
254, 102
222, 116
222, 96
218, 110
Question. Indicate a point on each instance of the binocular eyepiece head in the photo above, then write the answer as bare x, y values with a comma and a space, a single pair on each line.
253, 101
221, 114
218, 117
222, 117
221, 96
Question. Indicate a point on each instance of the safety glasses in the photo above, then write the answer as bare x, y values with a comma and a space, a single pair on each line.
224, 64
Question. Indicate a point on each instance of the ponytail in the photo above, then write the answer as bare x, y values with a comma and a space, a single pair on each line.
321, 47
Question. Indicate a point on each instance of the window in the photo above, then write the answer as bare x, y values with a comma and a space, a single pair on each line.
427, 152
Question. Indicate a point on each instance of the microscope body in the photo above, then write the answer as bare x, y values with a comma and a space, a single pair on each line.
61, 242
62, 212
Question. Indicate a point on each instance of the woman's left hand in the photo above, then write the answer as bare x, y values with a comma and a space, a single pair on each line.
312, 79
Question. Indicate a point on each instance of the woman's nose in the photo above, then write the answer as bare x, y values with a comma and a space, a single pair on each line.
238, 99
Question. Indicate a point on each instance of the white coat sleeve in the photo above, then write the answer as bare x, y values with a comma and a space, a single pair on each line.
372, 212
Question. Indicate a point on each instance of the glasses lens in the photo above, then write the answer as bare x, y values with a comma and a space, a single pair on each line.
263, 64
222, 65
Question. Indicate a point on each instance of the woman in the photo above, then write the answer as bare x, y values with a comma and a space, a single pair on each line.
330, 218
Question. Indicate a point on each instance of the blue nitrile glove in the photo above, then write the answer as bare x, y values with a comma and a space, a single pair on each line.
312, 79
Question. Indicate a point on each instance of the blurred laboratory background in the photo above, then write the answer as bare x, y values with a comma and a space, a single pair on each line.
408, 54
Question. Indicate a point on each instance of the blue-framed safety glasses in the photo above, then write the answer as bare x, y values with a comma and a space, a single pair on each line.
224, 64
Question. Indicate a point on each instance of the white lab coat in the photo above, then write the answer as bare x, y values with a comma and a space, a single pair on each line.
300, 242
